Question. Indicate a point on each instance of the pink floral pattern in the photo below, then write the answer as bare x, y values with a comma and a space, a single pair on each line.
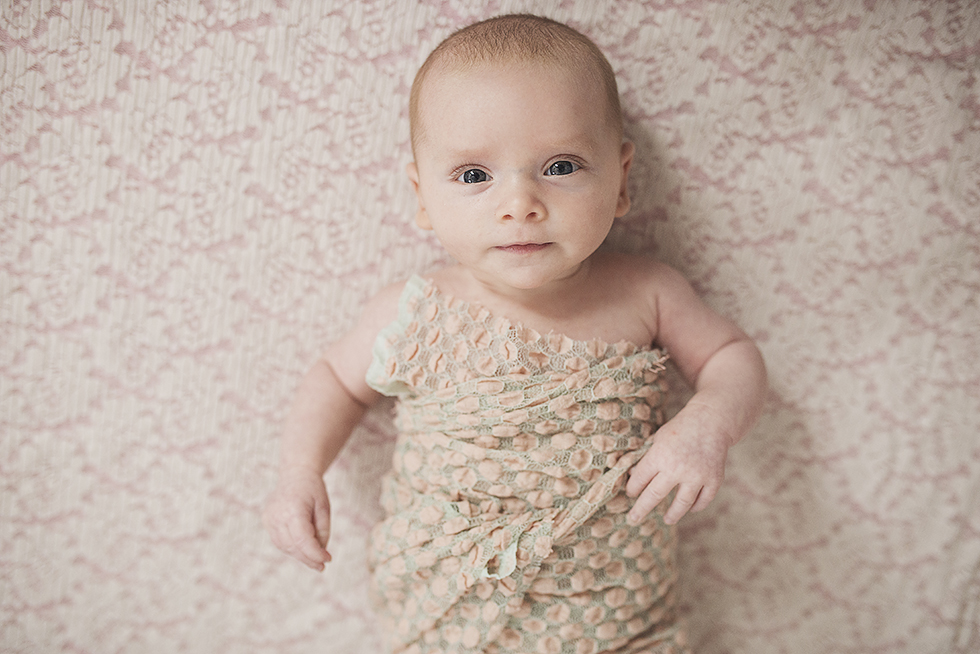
196, 196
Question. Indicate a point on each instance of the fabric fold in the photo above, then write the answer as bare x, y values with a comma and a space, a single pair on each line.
506, 527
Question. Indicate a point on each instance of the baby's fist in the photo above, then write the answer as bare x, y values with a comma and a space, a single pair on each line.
297, 517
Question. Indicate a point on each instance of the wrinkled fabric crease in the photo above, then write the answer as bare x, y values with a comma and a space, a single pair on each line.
505, 527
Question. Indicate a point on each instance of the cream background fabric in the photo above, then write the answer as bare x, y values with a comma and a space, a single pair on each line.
196, 196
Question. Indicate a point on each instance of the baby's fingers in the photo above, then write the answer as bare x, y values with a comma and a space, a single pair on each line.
321, 526
304, 546
293, 532
654, 493
686, 498
705, 497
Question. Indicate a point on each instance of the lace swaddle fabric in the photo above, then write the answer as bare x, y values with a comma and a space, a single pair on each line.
506, 511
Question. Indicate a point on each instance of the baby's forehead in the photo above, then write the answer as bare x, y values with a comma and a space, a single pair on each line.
577, 73
587, 77
475, 108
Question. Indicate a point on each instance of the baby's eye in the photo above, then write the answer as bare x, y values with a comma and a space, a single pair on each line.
562, 168
473, 176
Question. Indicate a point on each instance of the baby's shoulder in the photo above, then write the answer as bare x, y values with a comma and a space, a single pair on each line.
385, 306
382, 308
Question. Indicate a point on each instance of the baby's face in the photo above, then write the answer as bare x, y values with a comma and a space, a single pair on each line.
519, 171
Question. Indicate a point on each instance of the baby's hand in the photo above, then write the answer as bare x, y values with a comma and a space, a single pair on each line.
689, 453
297, 516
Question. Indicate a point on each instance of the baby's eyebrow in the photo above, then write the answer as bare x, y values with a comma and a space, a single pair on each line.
582, 144
578, 142
463, 155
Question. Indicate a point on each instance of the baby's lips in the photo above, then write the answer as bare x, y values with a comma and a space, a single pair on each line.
523, 248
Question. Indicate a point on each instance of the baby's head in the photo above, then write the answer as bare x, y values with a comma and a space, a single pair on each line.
517, 39
520, 166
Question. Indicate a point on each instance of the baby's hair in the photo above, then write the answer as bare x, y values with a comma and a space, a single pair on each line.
519, 38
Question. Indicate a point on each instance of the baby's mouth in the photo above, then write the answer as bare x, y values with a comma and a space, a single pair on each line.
523, 248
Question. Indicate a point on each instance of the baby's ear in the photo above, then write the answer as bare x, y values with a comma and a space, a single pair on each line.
626, 160
421, 217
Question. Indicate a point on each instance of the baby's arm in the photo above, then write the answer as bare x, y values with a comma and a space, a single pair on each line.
328, 405
729, 378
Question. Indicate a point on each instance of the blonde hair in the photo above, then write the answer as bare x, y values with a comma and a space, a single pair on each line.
518, 38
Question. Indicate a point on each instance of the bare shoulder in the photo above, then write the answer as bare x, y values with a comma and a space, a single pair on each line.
350, 356
625, 294
674, 298
643, 274
382, 308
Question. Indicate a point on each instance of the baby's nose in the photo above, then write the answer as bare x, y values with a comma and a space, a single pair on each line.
521, 200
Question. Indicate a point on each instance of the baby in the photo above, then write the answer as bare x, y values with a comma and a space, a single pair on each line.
528, 507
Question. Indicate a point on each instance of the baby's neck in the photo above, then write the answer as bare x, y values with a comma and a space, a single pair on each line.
587, 305
558, 299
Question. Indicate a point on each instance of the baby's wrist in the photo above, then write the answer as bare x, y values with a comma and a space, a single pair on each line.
716, 425
293, 469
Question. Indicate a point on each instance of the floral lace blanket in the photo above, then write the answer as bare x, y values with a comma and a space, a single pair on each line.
506, 512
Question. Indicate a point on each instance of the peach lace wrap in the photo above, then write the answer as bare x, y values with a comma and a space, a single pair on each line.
506, 512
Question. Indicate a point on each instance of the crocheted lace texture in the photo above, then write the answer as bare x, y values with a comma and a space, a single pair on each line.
506, 528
